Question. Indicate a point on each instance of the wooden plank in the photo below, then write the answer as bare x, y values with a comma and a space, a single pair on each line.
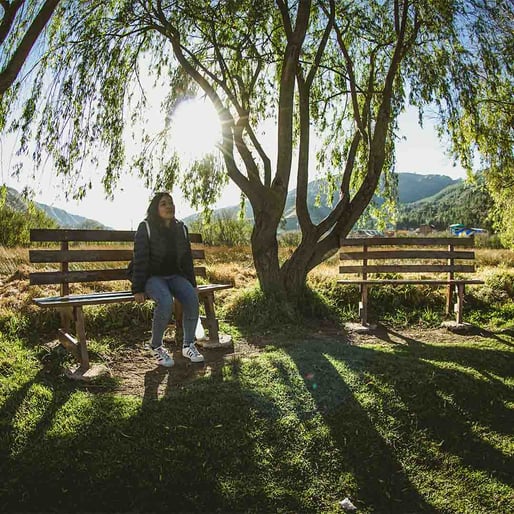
69, 342
408, 268
393, 281
200, 271
110, 255
55, 235
206, 288
70, 277
110, 297
65, 302
408, 241
406, 254
38, 256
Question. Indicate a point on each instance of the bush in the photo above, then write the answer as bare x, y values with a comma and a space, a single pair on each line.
15, 225
223, 230
290, 238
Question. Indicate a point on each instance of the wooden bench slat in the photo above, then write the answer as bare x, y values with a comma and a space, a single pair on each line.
69, 277
86, 299
109, 255
408, 268
98, 275
52, 235
408, 241
406, 254
47, 256
409, 281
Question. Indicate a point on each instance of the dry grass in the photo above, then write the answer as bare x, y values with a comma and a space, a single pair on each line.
232, 265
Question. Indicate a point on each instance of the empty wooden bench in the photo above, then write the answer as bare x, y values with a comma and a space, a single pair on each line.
79, 261
430, 261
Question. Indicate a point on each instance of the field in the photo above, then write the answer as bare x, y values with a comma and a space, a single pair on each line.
295, 417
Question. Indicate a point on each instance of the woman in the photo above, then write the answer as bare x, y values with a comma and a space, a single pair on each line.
163, 270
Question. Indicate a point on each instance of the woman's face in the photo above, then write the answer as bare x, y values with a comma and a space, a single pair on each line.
166, 208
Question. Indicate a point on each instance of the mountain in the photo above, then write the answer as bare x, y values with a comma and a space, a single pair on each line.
64, 219
411, 187
462, 202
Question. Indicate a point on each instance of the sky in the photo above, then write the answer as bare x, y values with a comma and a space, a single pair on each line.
419, 151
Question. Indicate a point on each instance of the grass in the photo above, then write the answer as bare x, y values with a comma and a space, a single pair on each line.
402, 426
407, 421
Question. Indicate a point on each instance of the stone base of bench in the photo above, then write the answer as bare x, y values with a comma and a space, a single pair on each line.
359, 328
458, 328
223, 341
94, 372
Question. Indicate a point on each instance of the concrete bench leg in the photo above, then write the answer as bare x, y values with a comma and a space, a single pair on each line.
363, 305
459, 305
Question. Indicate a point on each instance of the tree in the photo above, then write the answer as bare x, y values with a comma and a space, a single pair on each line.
16, 38
17, 218
336, 72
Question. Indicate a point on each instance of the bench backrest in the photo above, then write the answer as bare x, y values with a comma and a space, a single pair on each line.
116, 247
414, 255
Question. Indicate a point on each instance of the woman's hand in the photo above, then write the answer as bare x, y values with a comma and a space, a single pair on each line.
139, 297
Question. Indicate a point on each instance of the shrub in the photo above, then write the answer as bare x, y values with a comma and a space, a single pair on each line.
223, 230
15, 225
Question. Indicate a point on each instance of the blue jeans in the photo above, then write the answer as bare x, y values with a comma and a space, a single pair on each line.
162, 290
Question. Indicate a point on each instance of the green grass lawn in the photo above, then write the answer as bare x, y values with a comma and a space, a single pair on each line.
398, 425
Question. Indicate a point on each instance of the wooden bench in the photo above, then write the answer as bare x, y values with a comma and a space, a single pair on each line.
89, 264
433, 261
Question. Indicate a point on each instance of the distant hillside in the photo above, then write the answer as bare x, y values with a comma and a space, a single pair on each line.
411, 187
63, 218
464, 203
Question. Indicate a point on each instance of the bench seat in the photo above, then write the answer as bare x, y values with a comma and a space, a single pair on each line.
108, 297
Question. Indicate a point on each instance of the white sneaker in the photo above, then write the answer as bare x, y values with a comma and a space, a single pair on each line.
163, 357
192, 353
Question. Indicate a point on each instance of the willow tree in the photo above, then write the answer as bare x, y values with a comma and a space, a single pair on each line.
332, 73
21, 24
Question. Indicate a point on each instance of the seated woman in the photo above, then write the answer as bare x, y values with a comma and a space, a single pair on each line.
163, 270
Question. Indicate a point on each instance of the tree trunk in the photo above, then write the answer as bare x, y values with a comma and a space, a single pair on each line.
265, 250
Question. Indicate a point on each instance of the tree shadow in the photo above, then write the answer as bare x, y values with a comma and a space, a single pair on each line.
381, 484
445, 403
184, 451
197, 445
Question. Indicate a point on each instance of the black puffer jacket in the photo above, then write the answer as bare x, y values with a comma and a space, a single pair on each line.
167, 252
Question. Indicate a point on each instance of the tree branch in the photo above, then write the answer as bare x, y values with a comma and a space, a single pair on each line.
13, 67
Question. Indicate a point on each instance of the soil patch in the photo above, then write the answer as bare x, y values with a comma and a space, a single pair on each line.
135, 373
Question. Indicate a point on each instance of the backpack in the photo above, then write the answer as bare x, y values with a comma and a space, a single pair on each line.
130, 266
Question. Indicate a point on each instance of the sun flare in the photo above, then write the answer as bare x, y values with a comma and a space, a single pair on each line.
195, 129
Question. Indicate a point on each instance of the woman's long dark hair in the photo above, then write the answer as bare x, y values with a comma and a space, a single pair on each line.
152, 213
